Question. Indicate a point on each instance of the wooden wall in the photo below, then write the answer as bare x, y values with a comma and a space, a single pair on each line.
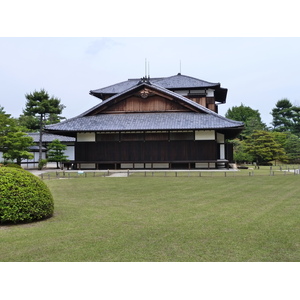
208, 102
149, 151
150, 104
156, 103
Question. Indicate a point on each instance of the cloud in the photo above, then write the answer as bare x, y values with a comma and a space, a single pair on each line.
101, 44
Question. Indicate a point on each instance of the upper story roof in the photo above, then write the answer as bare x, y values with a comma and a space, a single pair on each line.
176, 82
197, 117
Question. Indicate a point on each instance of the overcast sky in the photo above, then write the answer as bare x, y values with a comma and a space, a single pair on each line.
256, 71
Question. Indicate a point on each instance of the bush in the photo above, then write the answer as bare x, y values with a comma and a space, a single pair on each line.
23, 197
12, 165
42, 164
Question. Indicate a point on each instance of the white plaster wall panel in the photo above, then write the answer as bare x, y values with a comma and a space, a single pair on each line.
222, 151
220, 138
87, 166
70, 152
205, 135
86, 137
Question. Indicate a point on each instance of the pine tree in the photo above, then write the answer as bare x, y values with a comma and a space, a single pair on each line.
40, 104
56, 152
263, 147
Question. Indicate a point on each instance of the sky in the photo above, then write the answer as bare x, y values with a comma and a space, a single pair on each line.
257, 71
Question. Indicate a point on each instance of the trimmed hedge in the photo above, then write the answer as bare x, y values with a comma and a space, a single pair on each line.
23, 197
12, 165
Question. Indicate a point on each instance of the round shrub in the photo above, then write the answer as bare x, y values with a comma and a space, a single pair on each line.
12, 165
23, 197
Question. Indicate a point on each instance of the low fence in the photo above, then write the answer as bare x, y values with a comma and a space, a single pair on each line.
171, 173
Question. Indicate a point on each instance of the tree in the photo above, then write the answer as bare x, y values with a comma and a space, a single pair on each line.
282, 115
39, 104
5, 124
239, 153
31, 123
291, 144
250, 117
263, 147
286, 117
2, 110
56, 152
15, 146
13, 142
296, 120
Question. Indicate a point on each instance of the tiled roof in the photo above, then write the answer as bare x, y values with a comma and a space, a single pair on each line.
48, 137
173, 82
183, 81
203, 119
116, 88
150, 86
145, 121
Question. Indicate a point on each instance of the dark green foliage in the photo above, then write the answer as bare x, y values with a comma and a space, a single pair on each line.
14, 142
286, 117
12, 165
23, 197
242, 113
263, 147
42, 164
290, 143
43, 107
56, 152
282, 115
239, 153
31, 123
15, 146
249, 116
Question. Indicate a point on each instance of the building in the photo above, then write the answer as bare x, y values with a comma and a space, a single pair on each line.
169, 122
46, 140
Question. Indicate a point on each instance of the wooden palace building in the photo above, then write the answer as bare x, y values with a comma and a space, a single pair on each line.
169, 122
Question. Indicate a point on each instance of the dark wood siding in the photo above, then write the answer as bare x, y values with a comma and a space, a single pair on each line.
150, 151
138, 104
229, 152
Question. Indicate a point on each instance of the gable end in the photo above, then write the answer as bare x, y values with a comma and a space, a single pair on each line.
144, 98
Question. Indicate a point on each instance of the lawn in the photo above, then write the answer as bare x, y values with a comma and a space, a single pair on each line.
136, 218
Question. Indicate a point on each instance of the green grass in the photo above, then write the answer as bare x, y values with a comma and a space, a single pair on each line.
163, 219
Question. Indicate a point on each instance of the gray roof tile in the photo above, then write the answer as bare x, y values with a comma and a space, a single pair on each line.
48, 137
204, 118
145, 121
183, 81
173, 82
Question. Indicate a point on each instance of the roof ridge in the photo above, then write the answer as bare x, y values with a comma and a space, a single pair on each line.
109, 99
110, 85
190, 77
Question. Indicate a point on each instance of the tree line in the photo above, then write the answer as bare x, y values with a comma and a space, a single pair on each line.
40, 110
261, 144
